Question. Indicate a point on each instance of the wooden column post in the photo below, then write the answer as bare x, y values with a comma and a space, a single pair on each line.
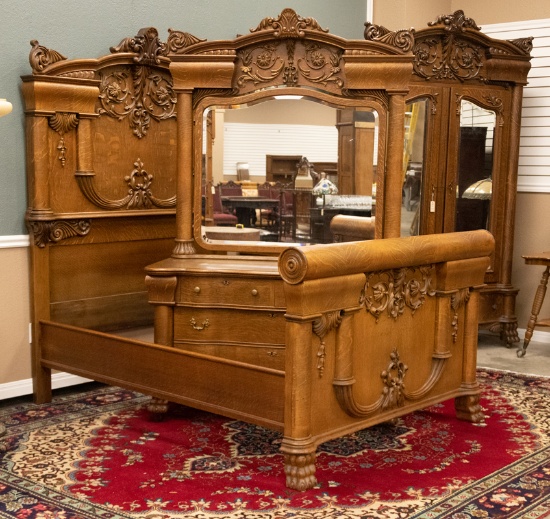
184, 187
391, 214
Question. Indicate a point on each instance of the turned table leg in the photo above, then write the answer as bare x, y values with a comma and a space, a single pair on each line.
537, 304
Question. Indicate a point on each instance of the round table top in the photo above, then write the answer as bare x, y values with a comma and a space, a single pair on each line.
220, 232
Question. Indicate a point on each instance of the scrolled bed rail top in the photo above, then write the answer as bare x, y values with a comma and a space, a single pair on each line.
298, 264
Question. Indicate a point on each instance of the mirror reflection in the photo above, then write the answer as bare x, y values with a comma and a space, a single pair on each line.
413, 161
475, 166
279, 170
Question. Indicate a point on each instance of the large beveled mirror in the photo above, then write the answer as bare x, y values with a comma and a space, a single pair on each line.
281, 129
278, 169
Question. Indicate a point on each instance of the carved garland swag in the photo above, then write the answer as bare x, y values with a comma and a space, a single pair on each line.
389, 292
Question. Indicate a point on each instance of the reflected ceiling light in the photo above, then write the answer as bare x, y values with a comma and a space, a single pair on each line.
288, 98
5, 107
480, 190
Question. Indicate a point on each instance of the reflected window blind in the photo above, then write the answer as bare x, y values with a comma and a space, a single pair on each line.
252, 142
534, 154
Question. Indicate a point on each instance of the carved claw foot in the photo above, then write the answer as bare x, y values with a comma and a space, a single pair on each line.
300, 471
509, 333
468, 408
158, 408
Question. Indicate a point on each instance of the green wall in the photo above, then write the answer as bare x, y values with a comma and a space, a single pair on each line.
86, 29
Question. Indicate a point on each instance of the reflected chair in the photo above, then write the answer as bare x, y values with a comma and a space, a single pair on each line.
221, 216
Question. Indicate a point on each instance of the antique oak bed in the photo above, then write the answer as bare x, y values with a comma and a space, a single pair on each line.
316, 341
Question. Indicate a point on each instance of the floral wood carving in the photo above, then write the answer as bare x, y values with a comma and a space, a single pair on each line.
272, 64
458, 300
62, 123
179, 40
452, 56
525, 45
140, 93
394, 393
45, 232
456, 22
289, 25
393, 379
146, 44
402, 40
394, 290
321, 327
139, 194
41, 57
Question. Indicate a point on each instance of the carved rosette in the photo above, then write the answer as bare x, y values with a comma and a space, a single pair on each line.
45, 232
394, 290
62, 123
321, 327
402, 40
139, 194
41, 57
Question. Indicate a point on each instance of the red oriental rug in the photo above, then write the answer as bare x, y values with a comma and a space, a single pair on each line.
95, 454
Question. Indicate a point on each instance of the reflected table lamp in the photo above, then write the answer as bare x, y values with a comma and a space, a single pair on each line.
481, 190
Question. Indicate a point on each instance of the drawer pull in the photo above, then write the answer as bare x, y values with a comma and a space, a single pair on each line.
197, 290
205, 324
254, 292
273, 353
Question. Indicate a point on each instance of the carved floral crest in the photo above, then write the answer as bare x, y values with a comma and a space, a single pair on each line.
289, 25
290, 63
394, 290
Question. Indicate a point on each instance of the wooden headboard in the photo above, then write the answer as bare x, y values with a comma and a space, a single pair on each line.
101, 169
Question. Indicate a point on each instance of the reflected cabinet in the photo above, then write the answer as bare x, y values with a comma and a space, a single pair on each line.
462, 145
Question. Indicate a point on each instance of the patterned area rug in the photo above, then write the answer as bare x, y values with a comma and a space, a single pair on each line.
96, 454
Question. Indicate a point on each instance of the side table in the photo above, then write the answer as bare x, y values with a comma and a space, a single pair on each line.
542, 259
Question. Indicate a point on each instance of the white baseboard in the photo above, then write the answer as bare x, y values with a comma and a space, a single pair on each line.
24, 387
538, 336
11, 242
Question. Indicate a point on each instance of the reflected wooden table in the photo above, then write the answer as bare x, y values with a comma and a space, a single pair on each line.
220, 232
245, 207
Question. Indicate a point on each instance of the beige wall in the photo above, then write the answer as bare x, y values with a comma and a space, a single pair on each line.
532, 235
404, 14
14, 314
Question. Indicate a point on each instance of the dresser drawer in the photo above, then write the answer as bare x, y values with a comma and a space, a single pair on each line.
229, 326
228, 291
266, 356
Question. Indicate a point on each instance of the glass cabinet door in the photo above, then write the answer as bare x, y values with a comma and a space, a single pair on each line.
474, 174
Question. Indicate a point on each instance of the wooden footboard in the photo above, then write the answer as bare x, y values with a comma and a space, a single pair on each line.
374, 331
